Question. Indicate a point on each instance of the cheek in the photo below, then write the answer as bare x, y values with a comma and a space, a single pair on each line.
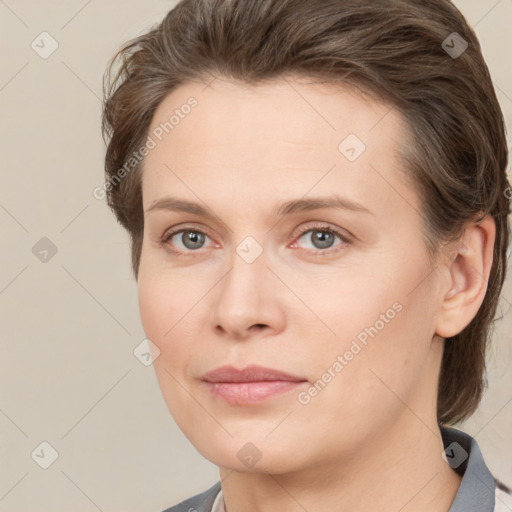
159, 295
151, 307
165, 309
160, 311
381, 321
372, 368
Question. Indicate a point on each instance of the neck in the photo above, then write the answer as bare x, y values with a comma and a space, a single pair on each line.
400, 469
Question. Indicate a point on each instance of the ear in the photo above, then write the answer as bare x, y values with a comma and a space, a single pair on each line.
467, 278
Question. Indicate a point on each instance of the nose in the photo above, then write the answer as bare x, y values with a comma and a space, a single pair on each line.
248, 299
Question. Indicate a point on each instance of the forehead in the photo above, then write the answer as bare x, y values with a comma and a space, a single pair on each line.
288, 133
236, 109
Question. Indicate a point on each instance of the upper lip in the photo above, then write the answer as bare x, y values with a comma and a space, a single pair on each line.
252, 373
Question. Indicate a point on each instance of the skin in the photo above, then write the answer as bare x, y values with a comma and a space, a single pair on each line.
369, 440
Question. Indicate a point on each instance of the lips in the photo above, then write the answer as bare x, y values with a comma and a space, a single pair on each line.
250, 385
253, 373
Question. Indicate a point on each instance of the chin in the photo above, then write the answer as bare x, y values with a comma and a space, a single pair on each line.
249, 453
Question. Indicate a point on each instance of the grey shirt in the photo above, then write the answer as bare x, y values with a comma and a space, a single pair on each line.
476, 493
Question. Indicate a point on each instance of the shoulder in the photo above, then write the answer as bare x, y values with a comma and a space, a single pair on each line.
201, 502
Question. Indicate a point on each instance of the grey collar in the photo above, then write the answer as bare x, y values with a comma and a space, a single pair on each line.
477, 488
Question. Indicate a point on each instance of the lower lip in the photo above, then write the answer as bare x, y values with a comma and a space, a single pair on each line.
251, 392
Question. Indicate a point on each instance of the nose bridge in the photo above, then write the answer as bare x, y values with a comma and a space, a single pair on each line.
243, 298
248, 269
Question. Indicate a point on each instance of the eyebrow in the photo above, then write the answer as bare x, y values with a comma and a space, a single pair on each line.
288, 208
317, 203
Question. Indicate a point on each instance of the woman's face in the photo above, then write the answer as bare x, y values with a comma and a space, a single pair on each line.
340, 296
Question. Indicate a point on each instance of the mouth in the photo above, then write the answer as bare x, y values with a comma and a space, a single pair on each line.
250, 385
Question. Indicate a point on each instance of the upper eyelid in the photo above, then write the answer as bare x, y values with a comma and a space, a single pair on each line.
319, 226
174, 231
324, 227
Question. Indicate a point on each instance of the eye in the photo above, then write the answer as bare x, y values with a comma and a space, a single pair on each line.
322, 238
191, 239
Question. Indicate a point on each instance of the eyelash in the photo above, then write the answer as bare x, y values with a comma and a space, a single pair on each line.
321, 228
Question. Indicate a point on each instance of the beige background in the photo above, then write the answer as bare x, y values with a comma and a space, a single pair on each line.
69, 325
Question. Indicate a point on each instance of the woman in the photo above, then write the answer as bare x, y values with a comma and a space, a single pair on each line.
317, 202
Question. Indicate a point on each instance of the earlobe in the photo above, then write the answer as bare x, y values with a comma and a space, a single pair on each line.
468, 274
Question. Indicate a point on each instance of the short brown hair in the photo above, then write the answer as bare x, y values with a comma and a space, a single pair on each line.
399, 50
